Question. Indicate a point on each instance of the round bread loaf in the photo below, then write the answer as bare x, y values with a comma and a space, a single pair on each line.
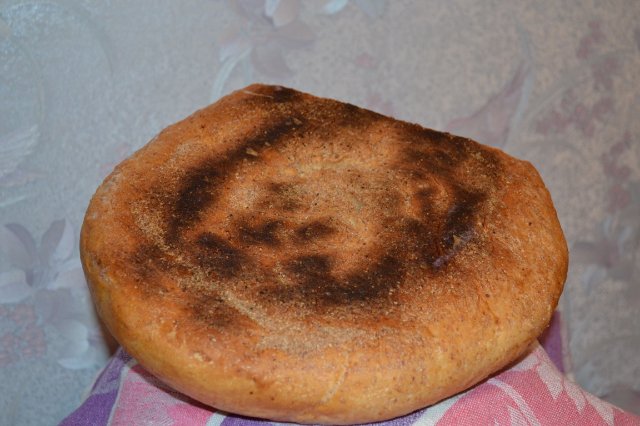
300, 259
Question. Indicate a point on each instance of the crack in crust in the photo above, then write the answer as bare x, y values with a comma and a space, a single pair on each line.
335, 386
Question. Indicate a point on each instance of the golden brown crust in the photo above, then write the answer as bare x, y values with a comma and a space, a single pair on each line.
284, 256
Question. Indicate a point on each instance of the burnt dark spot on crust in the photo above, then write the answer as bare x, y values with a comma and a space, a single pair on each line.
284, 94
460, 217
314, 281
147, 260
317, 285
283, 196
211, 310
314, 266
279, 187
270, 135
425, 197
438, 151
333, 117
351, 109
430, 240
351, 116
216, 254
436, 236
436, 161
421, 135
149, 264
198, 187
262, 234
312, 231
375, 283
422, 240
433, 239
193, 196
312, 277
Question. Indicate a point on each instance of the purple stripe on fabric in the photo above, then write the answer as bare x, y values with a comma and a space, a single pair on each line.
96, 409
551, 341
407, 420
233, 420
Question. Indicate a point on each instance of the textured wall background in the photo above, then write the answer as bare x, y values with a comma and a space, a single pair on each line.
83, 83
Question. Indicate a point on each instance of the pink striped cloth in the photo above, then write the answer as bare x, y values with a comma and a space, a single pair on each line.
532, 392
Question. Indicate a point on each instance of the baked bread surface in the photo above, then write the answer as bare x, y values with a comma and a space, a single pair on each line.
295, 258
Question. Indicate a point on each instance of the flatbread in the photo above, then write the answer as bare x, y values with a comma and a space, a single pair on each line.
301, 259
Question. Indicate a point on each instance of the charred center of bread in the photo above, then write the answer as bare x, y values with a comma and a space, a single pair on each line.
312, 207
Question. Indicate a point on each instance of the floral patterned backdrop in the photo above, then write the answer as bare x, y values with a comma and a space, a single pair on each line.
84, 83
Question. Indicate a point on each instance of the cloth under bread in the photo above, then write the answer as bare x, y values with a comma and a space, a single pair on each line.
532, 392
